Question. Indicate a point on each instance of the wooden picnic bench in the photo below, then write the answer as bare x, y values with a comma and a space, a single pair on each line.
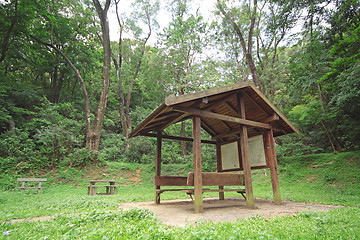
208, 179
25, 180
111, 188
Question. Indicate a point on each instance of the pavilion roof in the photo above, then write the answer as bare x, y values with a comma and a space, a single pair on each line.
219, 112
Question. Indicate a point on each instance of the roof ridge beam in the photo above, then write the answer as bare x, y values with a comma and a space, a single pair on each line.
222, 117
165, 136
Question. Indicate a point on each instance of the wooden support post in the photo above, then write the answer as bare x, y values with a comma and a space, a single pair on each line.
272, 162
196, 128
219, 166
158, 165
250, 202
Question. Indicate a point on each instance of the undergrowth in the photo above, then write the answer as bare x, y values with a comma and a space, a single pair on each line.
320, 178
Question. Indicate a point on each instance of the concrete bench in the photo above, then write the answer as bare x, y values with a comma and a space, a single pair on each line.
111, 188
25, 180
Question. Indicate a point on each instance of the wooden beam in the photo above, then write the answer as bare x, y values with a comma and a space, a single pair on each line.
250, 201
282, 116
158, 165
270, 153
277, 127
218, 102
241, 165
256, 104
222, 117
240, 169
237, 130
154, 124
176, 138
222, 122
235, 138
272, 118
173, 121
170, 181
219, 166
196, 129
230, 132
164, 116
232, 109
207, 127
156, 113
218, 179
169, 101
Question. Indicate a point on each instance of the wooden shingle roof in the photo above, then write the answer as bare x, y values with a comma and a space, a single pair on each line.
219, 112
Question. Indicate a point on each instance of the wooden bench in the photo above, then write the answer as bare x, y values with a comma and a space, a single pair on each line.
111, 189
220, 180
168, 181
25, 180
208, 179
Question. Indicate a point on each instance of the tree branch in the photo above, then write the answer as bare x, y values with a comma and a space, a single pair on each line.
78, 75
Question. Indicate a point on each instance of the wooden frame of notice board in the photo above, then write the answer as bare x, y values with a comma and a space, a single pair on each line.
231, 155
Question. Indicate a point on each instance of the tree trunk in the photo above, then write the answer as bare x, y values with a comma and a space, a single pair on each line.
5, 42
318, 86
118, 66
89, 134
94, 140
12, 126
247, 48
57, 83
94, 133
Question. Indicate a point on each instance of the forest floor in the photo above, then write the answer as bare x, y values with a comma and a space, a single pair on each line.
181, 212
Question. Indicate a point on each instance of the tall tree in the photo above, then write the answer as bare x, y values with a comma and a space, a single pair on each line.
93, 128
145, 13
93, 137
182, 42
244, 29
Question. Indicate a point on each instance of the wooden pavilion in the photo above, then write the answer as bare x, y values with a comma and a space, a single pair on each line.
236, 116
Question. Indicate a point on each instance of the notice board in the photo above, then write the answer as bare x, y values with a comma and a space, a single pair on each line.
230, 154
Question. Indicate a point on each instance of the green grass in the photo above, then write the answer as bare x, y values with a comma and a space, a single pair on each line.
341, 223
321, 178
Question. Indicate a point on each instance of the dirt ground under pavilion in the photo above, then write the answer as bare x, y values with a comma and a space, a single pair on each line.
181, 212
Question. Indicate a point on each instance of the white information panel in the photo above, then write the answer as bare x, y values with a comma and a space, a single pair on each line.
230, 156
230, 153
256, 151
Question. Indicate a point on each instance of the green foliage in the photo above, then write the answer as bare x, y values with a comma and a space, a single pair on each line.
51, 138
140, 224
319, 178
295, 145
112, 147
138, 148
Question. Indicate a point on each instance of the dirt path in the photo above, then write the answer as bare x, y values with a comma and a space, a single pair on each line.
181, 212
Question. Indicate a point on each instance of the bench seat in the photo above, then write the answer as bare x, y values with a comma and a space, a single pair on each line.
171, 190
190, 192
25, 180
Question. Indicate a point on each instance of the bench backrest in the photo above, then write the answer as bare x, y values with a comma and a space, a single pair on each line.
32, 179
170, 181
218, 179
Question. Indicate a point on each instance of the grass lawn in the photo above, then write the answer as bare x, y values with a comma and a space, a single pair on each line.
324, 178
